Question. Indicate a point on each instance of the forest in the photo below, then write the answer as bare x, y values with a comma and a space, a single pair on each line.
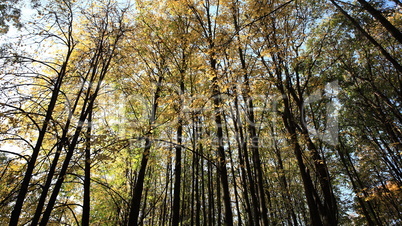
201, 112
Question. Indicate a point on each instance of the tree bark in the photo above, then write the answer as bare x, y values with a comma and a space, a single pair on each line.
177, 171
86, 207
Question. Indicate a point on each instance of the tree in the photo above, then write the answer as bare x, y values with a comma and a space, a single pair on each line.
203, 113
61, 73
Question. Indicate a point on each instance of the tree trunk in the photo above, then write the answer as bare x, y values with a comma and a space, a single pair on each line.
86, 207
313, 201
221, 150
139, 185
385, 23
355, 188
177, 171
292, 220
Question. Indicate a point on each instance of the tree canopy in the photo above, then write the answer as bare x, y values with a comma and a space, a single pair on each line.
201, 112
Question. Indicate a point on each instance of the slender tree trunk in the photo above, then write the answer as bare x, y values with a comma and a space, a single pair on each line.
184, 193
219, 199
352, 180
221, 150
243, 175
387, 25
311, 196
203, 196
256, 155
330, 210
292, 219
193, 187
246, 169
139, 185
197, 192
313, 201
234, 175
86, 207
165, 201
211, 209
177, 185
